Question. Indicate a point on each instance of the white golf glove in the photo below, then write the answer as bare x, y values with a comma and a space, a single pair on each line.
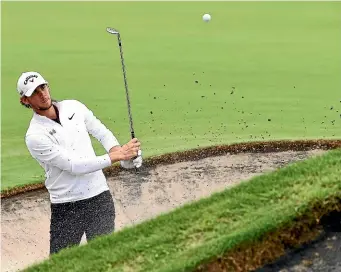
136, 163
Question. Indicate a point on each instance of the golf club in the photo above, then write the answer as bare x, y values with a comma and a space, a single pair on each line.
132, 133
115, 32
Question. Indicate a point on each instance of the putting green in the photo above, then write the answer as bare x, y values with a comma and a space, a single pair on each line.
282, 60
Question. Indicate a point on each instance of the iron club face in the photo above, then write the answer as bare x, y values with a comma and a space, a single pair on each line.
112, 31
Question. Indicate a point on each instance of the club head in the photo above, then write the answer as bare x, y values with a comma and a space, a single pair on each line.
112, 31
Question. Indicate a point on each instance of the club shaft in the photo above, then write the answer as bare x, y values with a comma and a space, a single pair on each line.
126, 87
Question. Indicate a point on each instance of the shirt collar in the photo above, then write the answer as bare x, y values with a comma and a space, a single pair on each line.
43, 119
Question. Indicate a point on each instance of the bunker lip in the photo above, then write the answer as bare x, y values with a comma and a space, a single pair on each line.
204, 152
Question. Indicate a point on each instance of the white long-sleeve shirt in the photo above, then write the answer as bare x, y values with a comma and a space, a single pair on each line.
72, 169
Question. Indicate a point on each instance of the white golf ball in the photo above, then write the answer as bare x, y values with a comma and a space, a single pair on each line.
206, 17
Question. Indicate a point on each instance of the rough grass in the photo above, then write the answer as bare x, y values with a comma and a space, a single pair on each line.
197, 234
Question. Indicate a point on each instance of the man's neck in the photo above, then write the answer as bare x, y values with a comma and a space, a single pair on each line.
50, 113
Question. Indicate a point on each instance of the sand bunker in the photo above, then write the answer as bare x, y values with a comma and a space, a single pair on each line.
138, 196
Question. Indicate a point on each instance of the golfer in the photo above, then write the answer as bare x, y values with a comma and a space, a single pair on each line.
58, 138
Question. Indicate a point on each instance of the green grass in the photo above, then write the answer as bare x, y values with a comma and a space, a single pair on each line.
194, 233
283, 58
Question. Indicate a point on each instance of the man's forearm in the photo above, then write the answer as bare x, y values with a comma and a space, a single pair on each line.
44, 150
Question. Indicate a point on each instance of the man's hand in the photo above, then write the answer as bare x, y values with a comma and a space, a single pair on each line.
126, 152
133, 163
138, 161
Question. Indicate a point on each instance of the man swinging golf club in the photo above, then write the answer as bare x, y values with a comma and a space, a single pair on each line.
58, 138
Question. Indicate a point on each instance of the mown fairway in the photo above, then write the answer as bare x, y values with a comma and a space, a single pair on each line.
281, 60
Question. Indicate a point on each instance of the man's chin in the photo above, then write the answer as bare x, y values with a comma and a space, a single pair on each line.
45, 108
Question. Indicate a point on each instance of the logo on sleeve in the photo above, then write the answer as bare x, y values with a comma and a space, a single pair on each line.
71, 117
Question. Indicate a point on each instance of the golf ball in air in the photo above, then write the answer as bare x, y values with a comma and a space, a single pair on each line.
206, 17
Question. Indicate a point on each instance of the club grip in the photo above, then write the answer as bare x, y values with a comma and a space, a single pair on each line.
132, 134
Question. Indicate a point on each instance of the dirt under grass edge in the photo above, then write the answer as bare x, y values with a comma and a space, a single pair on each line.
201, 153
274, 245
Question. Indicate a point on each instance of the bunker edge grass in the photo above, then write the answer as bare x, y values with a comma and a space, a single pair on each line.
198, 232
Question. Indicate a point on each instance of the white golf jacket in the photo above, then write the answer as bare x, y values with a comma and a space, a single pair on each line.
72, 169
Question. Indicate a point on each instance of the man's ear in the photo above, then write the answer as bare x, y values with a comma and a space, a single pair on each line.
24, 101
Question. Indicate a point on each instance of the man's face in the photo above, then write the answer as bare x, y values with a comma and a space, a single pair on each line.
40, 98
